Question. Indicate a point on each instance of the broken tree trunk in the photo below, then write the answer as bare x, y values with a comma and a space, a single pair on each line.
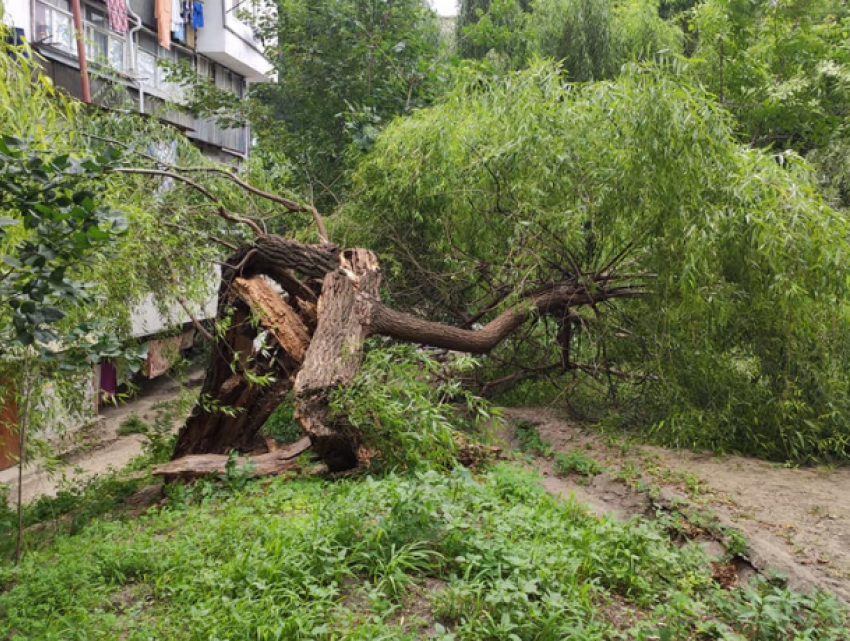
295, 317
334, 355
265, 338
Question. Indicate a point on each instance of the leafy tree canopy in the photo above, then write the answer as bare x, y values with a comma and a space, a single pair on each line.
507, 179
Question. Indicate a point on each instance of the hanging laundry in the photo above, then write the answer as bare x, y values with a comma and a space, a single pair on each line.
15, 37
117, 10
197, 15
178, 29
163, 22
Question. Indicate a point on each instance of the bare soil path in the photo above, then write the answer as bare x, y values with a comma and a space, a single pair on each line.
796, 521
103, 448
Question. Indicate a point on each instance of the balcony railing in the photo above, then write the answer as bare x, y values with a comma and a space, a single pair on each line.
54, 27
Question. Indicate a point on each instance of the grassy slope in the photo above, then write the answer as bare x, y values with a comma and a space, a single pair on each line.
311, 559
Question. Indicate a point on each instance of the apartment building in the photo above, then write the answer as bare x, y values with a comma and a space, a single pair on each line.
125, 40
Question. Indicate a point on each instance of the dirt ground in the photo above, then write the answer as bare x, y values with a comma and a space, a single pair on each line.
796, 521
102, 447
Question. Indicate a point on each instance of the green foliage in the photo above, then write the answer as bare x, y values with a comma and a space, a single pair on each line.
530, 442
307, 559
782, 68
494, 28
408, 406
578, 462
579, 32
76, 504
345, 68
746, 328
56, 225
591, 38
133, 424
236, 476
281, 424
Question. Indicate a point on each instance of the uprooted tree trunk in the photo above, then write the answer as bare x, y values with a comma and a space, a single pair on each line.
294, 318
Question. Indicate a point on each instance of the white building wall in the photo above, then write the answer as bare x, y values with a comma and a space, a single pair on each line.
230, 42
17, 14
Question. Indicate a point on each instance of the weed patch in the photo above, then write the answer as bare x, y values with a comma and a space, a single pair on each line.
576, 462
277, 561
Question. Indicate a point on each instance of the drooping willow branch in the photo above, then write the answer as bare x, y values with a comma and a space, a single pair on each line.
291, 205
221, 209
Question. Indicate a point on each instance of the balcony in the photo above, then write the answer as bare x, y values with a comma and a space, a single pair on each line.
54, 28
230, 42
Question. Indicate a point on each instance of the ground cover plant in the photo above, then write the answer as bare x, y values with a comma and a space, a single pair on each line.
312, 559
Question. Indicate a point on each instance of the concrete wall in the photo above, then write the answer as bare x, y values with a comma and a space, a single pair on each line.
230, 42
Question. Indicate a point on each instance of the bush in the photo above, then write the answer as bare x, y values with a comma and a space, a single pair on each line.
409, 408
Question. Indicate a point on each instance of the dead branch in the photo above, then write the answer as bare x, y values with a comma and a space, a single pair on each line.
200, 465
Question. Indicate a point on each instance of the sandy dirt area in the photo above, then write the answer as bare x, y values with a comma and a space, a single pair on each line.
104, 448
796, 521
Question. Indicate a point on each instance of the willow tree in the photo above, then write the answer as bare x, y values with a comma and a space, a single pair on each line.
743, 342
516, 217
293, 317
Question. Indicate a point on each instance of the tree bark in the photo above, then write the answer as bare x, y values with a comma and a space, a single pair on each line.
233, 406
197, 465
334, 356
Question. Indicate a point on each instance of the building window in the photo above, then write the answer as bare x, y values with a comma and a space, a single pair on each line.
229, 81
102, 44
54, 25
150, 73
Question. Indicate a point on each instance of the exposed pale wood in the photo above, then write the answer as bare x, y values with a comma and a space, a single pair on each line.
333, 357
270, 464
274, 314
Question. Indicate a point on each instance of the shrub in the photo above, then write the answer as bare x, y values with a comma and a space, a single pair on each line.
408, 408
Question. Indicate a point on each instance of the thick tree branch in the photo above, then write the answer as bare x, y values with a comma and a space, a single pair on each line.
389, 322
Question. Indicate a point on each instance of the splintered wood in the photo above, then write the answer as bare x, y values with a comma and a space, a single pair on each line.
274, 314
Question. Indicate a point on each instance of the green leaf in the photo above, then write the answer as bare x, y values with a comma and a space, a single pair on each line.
11, 262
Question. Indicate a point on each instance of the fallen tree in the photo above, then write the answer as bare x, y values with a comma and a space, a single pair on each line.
295, 319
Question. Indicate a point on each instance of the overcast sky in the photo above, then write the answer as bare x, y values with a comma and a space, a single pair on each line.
445, 7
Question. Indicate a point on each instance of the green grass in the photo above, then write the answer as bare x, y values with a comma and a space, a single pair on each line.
312, 559
576, 461
133, 424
